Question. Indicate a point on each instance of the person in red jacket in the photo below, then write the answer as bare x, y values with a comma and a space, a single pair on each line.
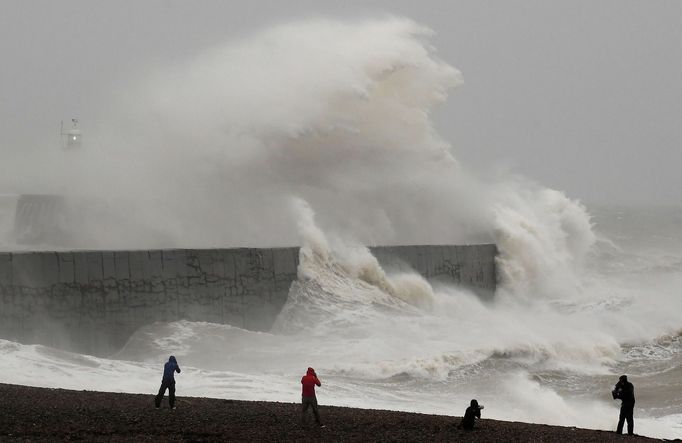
309, 381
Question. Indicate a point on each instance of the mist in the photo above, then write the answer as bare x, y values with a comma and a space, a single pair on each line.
547, 86
334, 134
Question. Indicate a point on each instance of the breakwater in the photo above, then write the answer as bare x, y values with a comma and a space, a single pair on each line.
92, 301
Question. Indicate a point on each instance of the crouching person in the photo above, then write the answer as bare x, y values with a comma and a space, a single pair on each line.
168, 382
308, 398
470, 415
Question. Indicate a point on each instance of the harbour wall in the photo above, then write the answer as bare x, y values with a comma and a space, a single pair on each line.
92, 301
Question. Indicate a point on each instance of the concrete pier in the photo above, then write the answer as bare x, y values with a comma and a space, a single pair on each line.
92, 301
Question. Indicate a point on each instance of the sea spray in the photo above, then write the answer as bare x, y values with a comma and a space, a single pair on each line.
335, 112
355, 261
344, 285
209, 152
543, 238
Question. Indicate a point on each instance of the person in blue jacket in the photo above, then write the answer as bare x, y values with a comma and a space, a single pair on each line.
168, 382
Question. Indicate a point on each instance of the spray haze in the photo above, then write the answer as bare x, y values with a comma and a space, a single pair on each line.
320, 133
337, 116
209, 151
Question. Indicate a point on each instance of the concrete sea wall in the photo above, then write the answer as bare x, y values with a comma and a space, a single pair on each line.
92, 301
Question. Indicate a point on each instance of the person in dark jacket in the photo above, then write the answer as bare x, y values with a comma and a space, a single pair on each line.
625, 391
168, 382
308, 398
470, 415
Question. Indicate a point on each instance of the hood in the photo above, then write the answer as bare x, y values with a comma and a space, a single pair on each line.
311, 371
474, 403
172, 359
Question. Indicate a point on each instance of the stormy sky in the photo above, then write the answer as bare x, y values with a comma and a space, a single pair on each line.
582, 96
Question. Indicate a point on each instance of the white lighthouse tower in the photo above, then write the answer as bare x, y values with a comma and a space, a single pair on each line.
71, 138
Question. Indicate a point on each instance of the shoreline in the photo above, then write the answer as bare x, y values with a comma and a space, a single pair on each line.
47, 414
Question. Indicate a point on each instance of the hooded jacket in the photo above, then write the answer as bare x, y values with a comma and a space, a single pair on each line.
309, 381
169, 370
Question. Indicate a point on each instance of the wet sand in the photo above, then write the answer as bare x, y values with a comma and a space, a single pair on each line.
40, 414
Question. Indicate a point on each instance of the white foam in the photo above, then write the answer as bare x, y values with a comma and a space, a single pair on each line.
337, 114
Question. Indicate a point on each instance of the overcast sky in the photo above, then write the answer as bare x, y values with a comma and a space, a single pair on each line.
582, 96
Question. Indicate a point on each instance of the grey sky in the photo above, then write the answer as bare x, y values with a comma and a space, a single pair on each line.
582, 96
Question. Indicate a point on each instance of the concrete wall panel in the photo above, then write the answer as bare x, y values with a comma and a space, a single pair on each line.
92, 301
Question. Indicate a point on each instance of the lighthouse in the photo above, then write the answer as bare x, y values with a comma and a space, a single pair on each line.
71, 138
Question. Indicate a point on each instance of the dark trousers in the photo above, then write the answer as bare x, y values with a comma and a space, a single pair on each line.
309, 402
170, 385
626, 413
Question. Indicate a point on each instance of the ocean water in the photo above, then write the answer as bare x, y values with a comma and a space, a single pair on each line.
340, 154
394, 342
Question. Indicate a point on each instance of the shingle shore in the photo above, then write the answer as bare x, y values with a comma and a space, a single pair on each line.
40, 414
